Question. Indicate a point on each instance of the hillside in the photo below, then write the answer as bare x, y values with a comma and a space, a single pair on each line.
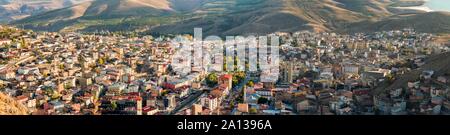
439, 63
230, 17
421, 22
266, 16
9, 106
99, 14
18, 9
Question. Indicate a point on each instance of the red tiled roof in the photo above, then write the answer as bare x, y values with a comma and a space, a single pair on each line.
21, 97
148, 108
134, 94
226, 76
223, 86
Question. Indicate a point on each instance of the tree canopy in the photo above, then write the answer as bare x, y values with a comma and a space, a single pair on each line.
211, 80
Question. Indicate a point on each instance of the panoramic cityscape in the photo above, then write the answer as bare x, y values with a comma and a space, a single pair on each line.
224, 57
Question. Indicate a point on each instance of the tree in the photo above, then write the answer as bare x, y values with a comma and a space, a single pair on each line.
390, 78
67, 86
232, 104
61, 66
55, 95
250, 83
295, 42
235, 80
170, 68
211, 80
114, 105
101, 61
81, 58
240, 74
7, 46
46, 90
240, 98
236, 63
262, 100
225, 66
23, 43
253, 111
238, 77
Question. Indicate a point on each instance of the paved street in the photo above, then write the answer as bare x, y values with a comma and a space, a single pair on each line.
188, 102
235, 92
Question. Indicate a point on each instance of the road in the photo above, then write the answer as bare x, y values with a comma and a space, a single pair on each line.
13, 64
236, 91
188, 102
195, 97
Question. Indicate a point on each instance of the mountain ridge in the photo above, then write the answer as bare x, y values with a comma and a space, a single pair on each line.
228, 17
11, 10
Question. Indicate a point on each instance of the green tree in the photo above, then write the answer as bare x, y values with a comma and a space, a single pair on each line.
55, 95
235, 81
238, 77
164, 93
225, 66
253, 111
7, 46
101, 61
250, 83
211, 80
23, 43
81, 58
295, 43
390, 78
48, 91
236, 63
61, 66
232, 104
114, 105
